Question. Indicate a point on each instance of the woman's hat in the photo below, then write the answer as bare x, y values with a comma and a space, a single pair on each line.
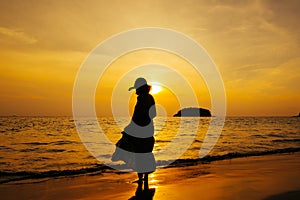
139, 82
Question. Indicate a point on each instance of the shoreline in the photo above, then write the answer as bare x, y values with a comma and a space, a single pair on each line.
256, 177
24, 176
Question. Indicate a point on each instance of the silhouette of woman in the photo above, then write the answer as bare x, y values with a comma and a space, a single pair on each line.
136, 145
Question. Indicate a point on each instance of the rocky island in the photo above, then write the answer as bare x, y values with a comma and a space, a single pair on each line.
193, 112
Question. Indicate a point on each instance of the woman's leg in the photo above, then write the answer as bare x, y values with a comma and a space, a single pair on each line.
140, 175
140, 184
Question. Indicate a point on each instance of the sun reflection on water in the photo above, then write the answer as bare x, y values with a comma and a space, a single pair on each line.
153, 182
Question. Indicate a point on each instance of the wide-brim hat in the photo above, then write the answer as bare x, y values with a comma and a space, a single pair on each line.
139, 82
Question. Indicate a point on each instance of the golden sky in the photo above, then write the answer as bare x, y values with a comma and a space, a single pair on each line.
255, 45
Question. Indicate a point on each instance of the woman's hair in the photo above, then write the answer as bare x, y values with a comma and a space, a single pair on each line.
143, 89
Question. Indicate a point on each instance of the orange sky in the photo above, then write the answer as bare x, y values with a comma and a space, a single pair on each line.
255, 45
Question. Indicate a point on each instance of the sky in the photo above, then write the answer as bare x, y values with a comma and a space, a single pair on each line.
254, 44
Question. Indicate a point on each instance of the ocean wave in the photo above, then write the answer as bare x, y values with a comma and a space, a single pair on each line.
286, 140
23, 175
228, 156
7, 177
274, 134
162, 141
59, 142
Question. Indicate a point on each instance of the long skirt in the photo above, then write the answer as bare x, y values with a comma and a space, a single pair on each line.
136, 153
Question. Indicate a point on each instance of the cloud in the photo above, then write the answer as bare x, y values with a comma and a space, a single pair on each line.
14, 35
284, 13
258, 80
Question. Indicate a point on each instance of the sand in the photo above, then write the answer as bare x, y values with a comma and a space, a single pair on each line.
262, 177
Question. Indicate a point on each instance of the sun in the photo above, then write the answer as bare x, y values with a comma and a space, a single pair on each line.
155, 88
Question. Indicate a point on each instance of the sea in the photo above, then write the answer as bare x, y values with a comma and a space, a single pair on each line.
35, 148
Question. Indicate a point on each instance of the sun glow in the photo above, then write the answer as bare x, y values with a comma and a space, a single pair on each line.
155, 88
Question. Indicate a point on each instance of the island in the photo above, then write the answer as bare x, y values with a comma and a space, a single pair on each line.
193, 112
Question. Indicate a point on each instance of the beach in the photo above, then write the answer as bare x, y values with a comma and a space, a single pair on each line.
257, 177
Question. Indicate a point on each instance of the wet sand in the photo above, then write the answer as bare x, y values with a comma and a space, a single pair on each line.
262, 177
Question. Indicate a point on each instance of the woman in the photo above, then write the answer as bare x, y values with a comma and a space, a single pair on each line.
138, 135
